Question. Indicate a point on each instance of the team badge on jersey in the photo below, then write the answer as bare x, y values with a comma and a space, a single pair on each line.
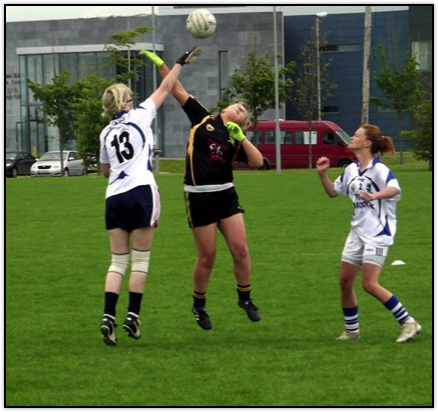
217, 151
209, 127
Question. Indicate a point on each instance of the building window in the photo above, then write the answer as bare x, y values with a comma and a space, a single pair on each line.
41, 68
330, 109
422, 52
382, 109
223, 74
340, 48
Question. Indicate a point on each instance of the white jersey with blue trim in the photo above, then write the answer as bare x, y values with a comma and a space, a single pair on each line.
376, 221
127, 144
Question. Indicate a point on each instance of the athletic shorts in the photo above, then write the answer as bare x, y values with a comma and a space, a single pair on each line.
135, 209
357, 252
210, 207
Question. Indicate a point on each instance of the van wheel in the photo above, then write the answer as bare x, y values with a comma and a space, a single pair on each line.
344, 163
66, 172
266, 165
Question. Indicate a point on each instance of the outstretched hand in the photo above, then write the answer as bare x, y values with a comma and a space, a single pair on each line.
189, 56
235, 131
153, 57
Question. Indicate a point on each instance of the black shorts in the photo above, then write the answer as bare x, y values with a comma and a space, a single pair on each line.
137, 208
210, 207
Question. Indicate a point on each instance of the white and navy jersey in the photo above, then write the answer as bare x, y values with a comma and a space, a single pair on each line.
127, 144
375, 222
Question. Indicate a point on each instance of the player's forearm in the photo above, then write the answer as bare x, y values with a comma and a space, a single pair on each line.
178, 90
171, 78
255, 158
387, 193
328, 185
105, 169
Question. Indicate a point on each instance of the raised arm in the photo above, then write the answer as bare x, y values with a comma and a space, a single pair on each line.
159, 95
322, 165
178, 90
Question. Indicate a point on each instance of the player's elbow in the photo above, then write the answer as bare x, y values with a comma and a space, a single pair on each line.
105, 169
256, 164
255, 159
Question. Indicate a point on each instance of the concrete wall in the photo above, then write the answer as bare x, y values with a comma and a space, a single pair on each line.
239, 34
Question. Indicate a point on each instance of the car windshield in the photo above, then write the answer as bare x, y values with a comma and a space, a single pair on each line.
344, 136
11, 155
53, 156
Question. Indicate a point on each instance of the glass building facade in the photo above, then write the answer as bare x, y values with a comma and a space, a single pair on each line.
35, 133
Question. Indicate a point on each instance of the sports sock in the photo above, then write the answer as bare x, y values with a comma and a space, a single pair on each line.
351, 319
398, 310
135, 303
110, 303
199, 300
244, 292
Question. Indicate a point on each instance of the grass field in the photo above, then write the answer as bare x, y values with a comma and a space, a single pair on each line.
57, 255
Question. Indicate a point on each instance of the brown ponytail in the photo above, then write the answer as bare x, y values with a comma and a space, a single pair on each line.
379, 143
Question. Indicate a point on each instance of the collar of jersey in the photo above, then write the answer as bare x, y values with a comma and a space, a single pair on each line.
372, 163
219, 122
120, 114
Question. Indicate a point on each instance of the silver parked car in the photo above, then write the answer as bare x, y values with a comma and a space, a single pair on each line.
49, 164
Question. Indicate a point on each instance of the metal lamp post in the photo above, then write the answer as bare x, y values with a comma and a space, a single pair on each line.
319, 16
277, 104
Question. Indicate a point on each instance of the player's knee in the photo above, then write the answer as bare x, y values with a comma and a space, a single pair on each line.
206, 259
370, 287
240, 252
346, 283
119, 264
140, 261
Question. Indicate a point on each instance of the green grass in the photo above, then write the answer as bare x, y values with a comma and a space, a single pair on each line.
170, 165
57, 255
409, 163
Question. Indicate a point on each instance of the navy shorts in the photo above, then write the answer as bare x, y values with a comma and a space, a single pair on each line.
210, 207
135, 209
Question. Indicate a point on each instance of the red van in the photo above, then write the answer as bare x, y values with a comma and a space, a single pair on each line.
327, 139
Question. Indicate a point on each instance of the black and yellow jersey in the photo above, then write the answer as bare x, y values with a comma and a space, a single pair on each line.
210, 149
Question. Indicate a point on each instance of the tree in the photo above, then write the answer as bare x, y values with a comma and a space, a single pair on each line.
129, 64
422, 136
89, 122
76, 107
400, 84
306, 99
58, 98
256, 85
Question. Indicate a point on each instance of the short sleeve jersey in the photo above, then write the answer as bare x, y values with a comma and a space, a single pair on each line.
375, 221
127, 144
210, 149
